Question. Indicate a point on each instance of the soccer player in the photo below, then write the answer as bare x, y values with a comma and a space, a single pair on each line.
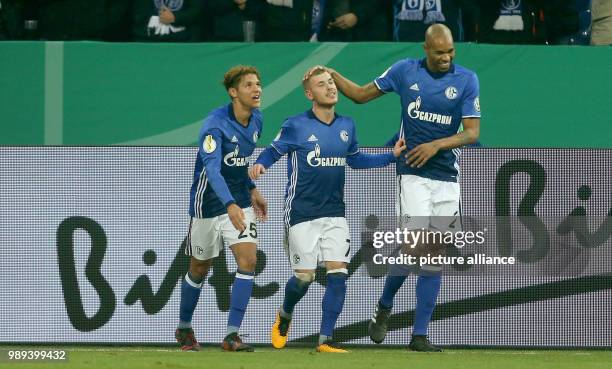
224, 204
436, 97
318, 143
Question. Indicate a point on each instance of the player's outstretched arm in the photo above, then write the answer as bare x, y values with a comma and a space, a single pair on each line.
361, 160
281, 145
265, 160
359, 94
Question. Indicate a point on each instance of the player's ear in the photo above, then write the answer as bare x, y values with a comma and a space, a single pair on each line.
308, 94
232, 92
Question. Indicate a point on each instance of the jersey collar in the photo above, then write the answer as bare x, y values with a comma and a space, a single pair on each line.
232, 117
312, 115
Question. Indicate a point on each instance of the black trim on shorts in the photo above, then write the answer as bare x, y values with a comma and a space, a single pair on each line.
188, 251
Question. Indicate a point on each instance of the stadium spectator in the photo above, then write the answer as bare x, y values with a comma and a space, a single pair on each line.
560, 20
224, 204
527, 21
355, 20
166, 20
412, 17
509, 22
288, 20
104, 20
429, 192
601, 33
319, 143
11, 19
229, 16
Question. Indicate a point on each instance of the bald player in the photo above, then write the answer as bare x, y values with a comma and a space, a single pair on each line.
437, 96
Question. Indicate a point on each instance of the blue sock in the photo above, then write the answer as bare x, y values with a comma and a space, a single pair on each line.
427, 288
392, 285
241, 293
190, 294
295, 289
333, 301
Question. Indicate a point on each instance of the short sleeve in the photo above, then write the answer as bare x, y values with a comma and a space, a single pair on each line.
391, 79
471, 101
354, 145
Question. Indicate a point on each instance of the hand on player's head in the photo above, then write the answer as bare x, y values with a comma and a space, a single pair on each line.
317, 68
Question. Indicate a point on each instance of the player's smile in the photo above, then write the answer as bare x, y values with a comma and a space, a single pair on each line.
444, 65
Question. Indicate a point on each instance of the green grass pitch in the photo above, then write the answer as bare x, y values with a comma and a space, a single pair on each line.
304, 357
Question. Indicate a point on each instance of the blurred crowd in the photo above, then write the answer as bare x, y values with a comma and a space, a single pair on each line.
557, 22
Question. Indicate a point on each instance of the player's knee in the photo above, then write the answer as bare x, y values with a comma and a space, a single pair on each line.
247, 263
199, 268
305, 277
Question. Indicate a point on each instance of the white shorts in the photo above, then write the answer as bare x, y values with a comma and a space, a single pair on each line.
208, 236
322, 239
428, 203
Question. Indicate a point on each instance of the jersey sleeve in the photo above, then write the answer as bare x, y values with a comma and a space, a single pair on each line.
211, 153
359, 160
286, 139
362, 160
354, 145
471, 101
281, 145
391, 79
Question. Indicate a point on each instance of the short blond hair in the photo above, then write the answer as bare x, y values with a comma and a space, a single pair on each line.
314, 71
232, 77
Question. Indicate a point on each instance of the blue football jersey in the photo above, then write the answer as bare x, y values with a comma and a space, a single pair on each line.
221, 167
433, 105
317, 155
